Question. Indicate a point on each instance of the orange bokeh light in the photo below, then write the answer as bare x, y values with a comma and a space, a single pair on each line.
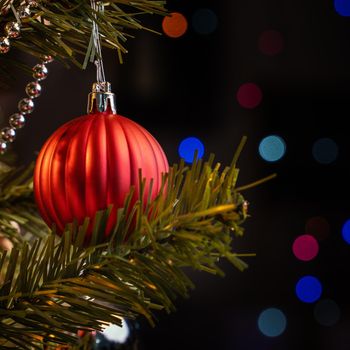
175, 25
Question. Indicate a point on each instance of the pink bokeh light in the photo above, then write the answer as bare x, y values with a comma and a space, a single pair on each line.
318, 227
249, 95
271, 42
305, 247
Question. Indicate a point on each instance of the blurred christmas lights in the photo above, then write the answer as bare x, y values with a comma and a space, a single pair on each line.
271, 42
318, 227
272, 148
325, 150
189, 146
346, 231
204, 21
342, 7
308, 289
249, 95
305, 248
272, 322
327, 312
175, 25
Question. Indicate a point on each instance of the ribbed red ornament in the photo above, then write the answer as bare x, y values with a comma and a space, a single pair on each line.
90, 163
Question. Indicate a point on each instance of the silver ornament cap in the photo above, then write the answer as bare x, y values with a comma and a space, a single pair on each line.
102, 99
4, 44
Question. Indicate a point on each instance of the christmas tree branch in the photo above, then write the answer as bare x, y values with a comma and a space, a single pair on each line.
19, 220
63, 28
55, 287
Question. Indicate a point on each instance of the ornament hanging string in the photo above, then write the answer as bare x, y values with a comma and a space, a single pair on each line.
101, 98
97, 6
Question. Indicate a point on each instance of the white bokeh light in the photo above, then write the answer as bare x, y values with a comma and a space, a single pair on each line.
117, 334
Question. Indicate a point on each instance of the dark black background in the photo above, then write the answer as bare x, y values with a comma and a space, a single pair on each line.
187, 87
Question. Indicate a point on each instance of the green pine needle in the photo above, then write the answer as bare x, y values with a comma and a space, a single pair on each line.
52, 287
63, 28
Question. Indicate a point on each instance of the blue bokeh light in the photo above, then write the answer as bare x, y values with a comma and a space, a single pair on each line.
204, 21
346, 231
325, 150
272, 322
308, 289
272, 148
188, 148
342, 7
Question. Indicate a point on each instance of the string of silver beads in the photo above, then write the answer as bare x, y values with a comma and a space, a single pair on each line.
25, 105
13, 29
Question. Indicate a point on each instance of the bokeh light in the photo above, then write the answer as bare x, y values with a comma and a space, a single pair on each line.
308, 289
305, 247
117, 334
249, 95
272, 322
318, 227
346, 231
342, 7
271, 42
272, 148
325, 150
175, 25
204, 21
188, 148
327, 312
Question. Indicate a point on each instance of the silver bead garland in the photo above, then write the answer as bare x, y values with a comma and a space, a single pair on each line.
17, 121
25, 105
8, 134
13, 29
40, 72
33, 89
4, 45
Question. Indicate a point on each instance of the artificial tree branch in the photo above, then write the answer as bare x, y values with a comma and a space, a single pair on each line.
54, 287
63, 28
19, 220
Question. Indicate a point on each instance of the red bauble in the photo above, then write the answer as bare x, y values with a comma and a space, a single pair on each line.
90, 163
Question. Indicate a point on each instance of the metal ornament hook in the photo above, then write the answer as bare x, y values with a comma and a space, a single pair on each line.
101, 99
